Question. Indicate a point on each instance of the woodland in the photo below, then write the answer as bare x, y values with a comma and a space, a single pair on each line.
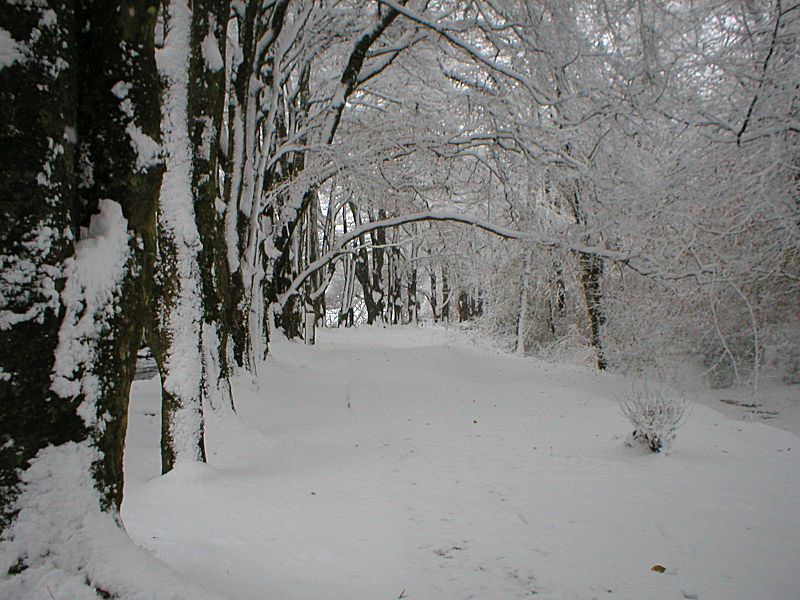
202, 178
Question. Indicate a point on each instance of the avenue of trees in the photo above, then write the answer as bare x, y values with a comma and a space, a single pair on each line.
195, 176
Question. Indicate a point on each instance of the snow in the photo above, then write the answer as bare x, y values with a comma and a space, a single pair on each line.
211, 54
231, 217
413, 463
148, 152
94, 276
11, 51
66, 544
208, 138
48, 18
177, 218
27, 274
121, 89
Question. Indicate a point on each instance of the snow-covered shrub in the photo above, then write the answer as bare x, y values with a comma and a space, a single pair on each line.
572, 347
655, 415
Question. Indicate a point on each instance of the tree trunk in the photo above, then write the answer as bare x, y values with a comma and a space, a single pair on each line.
239, 175
378, 252
591, 270
434, 293
118, 125
346, 312
413, 313
362, 272
463, 306
315, 292
206, 100
394, 277
591, 273
522, 308
445, 297
412, 303
38, 125
179, 306
90, 75
561, 291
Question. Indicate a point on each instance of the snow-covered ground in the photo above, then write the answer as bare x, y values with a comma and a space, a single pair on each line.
409, 463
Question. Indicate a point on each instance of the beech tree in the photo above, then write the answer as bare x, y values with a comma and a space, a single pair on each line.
188, 335
39, 224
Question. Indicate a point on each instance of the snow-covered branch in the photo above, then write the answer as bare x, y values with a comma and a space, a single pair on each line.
478, 223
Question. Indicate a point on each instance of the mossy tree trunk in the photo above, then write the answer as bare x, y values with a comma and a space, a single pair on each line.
189, 332
206, 103
411, 281
38, 125
378, 252
445, 296
119, 129
237, 164
591, 272
69, 335
434, 294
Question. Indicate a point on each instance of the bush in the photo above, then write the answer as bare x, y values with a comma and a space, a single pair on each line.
655, 416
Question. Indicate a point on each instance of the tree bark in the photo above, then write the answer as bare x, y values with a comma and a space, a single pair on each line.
38, 203
239, 174
445, 297
119, 130
411, 281
206, 103
190, 330
591, 272
434, 295
522, 308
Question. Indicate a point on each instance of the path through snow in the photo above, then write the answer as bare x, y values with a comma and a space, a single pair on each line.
389, 463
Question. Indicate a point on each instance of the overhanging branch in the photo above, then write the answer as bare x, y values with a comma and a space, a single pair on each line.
498, 230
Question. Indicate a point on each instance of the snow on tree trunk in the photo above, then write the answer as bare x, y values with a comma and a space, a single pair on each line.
179, 308
87, 75
240, 130
413, 309
411, 282
38, 124
445, 296
62, 546
591, 272
118, 127
522, 308
434, 295
206, 100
